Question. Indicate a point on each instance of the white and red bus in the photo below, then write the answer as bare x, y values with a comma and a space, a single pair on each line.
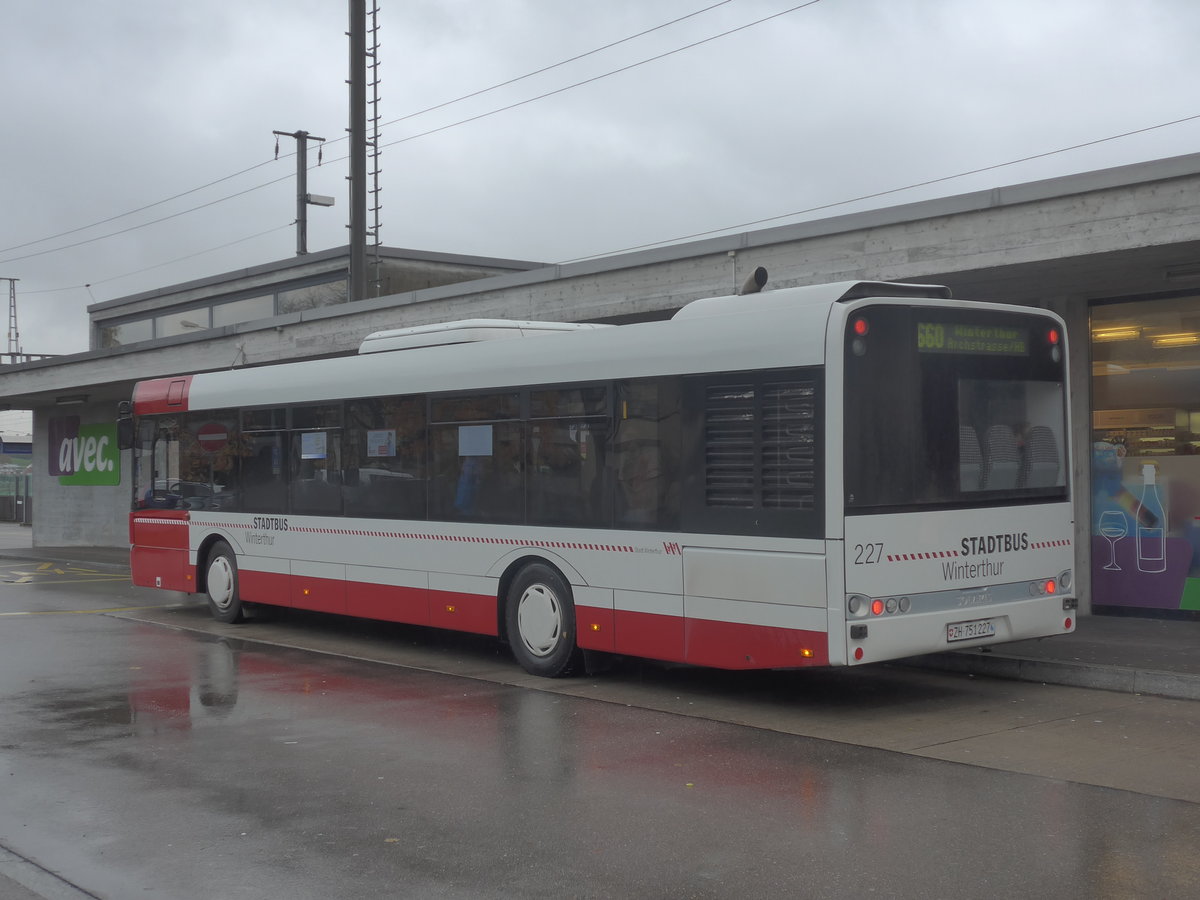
811, 476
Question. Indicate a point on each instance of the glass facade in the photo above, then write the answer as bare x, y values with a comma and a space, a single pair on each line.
220, 312
1146, 455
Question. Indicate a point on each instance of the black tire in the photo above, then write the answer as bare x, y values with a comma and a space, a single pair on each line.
221, 584
539, 620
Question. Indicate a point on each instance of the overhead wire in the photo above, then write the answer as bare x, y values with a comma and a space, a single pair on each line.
441, 105
132, 212
170, 262
604, 75
877, 194
665, 241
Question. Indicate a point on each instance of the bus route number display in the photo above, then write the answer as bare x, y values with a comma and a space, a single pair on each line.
983, 340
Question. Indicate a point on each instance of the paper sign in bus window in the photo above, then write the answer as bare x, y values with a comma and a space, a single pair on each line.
312, 445
381, 444
475, 440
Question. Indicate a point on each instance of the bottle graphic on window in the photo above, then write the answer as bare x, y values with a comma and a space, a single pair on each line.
1151, 528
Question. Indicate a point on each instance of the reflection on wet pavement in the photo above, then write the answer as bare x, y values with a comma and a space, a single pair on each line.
145, 761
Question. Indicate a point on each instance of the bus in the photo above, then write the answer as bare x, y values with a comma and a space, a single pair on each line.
822, 475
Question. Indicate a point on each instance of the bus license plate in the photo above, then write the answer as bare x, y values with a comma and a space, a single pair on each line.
965, 631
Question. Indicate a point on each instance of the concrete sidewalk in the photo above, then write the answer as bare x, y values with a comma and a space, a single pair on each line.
1113, 653
16, 542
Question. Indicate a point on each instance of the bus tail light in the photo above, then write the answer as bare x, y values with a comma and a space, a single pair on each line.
877, 607
1051, 586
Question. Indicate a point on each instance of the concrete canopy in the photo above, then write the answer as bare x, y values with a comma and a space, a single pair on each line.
1111, 233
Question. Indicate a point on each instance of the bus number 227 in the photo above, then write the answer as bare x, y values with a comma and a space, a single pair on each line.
868, 554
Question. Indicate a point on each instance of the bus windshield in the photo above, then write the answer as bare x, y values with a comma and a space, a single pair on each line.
957, 407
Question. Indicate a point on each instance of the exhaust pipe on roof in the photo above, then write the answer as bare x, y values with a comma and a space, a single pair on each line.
755, 282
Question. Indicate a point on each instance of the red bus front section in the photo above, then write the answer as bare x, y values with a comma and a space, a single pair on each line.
159, 556
162, 395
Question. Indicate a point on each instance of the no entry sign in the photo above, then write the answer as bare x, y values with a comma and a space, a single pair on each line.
212, 437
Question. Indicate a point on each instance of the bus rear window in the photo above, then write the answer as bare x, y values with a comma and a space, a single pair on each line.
979, 419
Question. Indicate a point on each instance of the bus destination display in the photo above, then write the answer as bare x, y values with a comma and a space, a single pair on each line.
984, 340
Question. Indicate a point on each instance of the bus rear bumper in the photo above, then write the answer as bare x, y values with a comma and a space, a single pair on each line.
886, 637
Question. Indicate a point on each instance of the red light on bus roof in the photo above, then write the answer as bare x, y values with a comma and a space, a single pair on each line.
861, 327
1053, 336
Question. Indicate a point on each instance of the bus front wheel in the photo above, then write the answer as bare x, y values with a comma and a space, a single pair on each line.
540, 622
221, 584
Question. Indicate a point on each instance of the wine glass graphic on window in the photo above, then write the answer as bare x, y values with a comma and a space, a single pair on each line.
1113, 527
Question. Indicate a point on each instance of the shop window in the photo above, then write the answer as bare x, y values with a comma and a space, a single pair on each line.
312, 297
126, 333
243, 310
187, 322
1145, 452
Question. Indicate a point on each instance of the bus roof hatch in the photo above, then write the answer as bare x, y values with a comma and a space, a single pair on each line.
464, 331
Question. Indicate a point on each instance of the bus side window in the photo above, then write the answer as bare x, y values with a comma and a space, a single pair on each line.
645, 451
156, 462
316, 473
567, 439
264, 481
385, 458
477, 458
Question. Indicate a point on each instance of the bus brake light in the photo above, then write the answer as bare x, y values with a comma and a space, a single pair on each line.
1051, 586
877, 607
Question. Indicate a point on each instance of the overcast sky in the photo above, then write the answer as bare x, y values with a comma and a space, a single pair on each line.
110, 106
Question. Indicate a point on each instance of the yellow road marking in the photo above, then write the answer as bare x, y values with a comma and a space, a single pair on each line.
85, 612
29, 577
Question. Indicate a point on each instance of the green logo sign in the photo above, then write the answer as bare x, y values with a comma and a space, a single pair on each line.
89, 456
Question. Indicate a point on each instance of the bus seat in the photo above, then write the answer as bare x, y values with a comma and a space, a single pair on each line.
970, 459
1002, 459
1039, 468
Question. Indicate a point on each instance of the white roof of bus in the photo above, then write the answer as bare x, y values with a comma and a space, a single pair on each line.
774, 329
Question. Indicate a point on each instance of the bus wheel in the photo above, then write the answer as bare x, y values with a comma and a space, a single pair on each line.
540, 622
221, 583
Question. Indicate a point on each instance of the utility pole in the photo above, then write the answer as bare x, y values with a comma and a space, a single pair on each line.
303, 197
358, 150
14, 336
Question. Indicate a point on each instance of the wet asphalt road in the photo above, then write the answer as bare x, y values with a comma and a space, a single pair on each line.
147, 753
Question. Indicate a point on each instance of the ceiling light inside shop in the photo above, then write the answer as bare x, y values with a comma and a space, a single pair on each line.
1120, 333
1183, 339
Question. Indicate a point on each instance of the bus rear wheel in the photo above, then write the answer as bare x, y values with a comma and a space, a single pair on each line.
221, 584
540, 622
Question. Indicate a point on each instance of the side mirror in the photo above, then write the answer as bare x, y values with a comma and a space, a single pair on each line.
125, 434
125, 429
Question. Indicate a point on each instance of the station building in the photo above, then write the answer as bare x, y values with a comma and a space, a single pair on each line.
1116, 252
